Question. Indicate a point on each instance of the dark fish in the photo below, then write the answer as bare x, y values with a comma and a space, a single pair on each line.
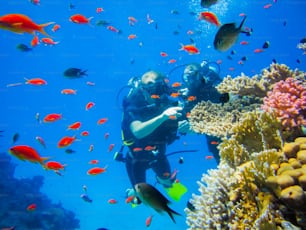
176, 32
266, 45
152, 197
284, 23
303, 40
69, 151
227, 35
23, 48
190, 206
274, 61
208, 3
298, 61
229, 57
86, 198
102, 228
244, 58
175, 12
233, 52
16, 137
75, 73
71, 6
102, 23
181, 160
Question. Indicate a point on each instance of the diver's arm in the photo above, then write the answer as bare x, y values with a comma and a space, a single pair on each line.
143, 129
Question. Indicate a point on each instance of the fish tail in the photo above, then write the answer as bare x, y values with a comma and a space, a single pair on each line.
42, 159
171, 212
41, 28
241, 24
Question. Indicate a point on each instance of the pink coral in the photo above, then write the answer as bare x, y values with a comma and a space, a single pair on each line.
288, 101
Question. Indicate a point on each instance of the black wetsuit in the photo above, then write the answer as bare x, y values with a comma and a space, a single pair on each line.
141, 151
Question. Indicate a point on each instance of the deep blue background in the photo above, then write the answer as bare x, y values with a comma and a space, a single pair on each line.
111, 59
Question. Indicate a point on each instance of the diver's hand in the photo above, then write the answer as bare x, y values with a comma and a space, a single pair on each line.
172, 113
183, 127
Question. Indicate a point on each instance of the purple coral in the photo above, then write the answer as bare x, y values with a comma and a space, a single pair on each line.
288, 101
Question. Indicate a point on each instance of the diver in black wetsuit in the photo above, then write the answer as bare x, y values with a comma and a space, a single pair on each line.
200, 81
150, 123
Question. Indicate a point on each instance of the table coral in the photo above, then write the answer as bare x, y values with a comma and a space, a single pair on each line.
288, 101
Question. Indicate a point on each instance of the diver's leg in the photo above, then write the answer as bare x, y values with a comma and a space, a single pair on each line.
163, 171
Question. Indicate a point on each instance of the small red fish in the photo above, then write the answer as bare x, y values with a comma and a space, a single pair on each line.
66, 141
89, 105
258, 50
96, 170
20, 23
191, 98
102, 121
111, 147
171, 61
190, 49
149, 148
69, 91
129, 199
35, 2
214, 142
176, 84
106, 136
149, 220
35, 81
56, 27
48, 41
155, 96
267, 6
209, 17
84, 133
99, 10
132, 21
209, 157
94, 162
137, 149
52, 117
113, 29
35, 41
90, 83
112, 201
74, 126
80, 19
54, 165
163, 54
244, 42
132, 36
31, 207
25, 152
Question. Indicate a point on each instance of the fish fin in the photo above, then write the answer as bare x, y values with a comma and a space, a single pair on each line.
171, 212
41, 28
176, 191
242, 22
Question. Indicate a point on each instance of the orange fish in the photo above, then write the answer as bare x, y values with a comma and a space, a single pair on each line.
149, 220
20, 23
25, 152
35, 81
149, 148
175, 94
99, 10
96, 170
171, 61
209, 17
190, 49
129, 199
214, 142
69, 91
66, 141
84, 133
31, 207
74, 126
258, 50
244, 42
56, 27
132, 36
80, 19
176, 84
52, 117
163, 54
112, 201
191, 98
54, 165
209, 157
48, 41
155, 96
111, 147
94, 162
267, 6
112, 28
102, 121
137, 149
89, 105
132, 20
35, 41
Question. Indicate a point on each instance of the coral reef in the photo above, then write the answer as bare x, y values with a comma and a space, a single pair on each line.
257, 85
288, 101
302, 46
18, 194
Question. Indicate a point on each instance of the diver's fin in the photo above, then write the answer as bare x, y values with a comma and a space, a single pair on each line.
176, 191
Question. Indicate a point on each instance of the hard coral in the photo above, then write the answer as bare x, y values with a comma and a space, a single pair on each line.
288, 101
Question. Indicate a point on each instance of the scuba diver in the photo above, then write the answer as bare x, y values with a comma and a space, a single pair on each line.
150, 123
199, 84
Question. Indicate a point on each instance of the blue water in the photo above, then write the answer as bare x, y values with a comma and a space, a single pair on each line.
111, 60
